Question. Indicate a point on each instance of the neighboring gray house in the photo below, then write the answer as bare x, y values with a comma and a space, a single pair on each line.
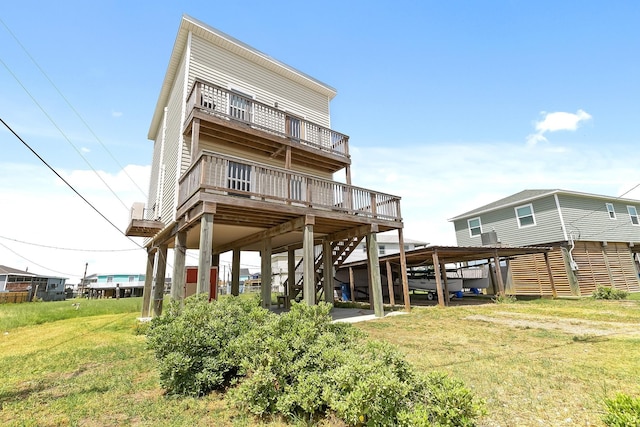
596, 239
46, 288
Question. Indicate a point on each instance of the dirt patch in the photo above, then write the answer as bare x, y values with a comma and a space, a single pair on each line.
566, 325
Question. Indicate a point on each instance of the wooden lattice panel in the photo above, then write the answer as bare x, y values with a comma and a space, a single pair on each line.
529, 276
610, 265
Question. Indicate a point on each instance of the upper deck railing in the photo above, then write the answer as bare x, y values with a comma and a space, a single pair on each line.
233, 176
232, 105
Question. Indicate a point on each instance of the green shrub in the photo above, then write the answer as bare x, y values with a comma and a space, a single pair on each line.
194, 343
300, 365
607, 292
622, 411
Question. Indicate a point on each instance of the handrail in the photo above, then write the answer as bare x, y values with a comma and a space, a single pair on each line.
218, 101
235, 176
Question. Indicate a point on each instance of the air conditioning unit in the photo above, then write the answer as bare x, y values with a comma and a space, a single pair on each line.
137, 211
489, 238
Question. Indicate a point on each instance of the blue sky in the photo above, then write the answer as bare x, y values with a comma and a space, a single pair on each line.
449, 104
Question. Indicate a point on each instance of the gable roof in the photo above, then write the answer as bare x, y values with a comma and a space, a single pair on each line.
217, 37
526, 196
8, 270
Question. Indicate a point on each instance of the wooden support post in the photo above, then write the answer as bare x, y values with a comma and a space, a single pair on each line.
496, 259
291, 276
403, 272
179, 274
308, 273
492, 278
195, 140
445, 282
161, 274
235, 273
550, 273
265, 273
204, 260
374, 278
352, 285
392, 297
436, 267
148, 280
327, 262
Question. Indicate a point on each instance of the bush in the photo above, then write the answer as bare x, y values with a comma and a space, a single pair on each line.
194, 343
606, 292
622, 411
300, 365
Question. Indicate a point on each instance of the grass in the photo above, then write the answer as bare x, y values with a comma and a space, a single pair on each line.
61, 366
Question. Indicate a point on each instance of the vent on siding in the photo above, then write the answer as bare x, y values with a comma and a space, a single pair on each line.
489, 238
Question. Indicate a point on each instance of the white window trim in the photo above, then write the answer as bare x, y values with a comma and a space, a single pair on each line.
631, 216
533, 215
609, 212
469, 226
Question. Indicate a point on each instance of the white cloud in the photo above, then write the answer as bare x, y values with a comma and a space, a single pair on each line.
65, 221
557, 121
116, 114
438, 182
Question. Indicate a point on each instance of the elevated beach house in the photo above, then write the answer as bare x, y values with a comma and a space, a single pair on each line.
596, 240
244, 159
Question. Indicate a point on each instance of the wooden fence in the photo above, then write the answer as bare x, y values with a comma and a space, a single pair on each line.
13, 297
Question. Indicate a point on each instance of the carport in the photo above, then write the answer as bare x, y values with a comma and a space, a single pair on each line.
438, 256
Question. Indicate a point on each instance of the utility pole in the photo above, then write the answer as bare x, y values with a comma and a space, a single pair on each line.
84, 278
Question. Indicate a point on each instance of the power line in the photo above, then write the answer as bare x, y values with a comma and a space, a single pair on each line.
62, 133
71, 106
67, 183
68, 249
34, 263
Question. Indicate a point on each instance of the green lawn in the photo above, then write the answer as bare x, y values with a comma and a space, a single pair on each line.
539, 362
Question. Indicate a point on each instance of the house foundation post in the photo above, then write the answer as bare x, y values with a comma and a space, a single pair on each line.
308, 273
204, 260
161, 273
291, 277
179, 255
265, 273
327, 260
374, 274
235, 273
148, 280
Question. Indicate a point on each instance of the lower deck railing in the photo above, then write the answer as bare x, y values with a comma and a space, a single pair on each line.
239, 177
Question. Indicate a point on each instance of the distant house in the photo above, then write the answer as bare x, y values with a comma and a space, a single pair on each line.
387, 245
46, 288
596, 239
109, 285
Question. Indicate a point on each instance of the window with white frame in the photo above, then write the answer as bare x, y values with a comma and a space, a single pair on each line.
525, 216
633, 214
475, 227
239, 177
611, 211
240, 105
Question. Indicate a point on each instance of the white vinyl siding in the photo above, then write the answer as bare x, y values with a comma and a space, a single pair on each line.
611, 210
475, 227
227, 69
633, 215
174, 151
525, 216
